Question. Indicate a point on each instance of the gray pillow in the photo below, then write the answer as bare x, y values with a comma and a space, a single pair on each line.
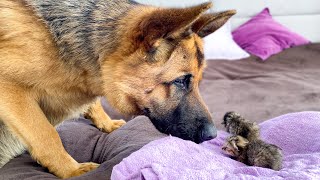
86, 143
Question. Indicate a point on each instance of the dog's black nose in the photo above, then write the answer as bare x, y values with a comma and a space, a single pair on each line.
208, 132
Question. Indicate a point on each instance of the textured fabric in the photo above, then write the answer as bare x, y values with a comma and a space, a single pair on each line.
260, 90
86, 143
220, 45
171, 158
263, 37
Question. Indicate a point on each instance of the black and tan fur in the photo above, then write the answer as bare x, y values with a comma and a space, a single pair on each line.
254, 153
246, 146
58, 57
238, 125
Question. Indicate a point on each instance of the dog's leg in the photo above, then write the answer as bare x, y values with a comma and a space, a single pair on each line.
100, 119
24, 118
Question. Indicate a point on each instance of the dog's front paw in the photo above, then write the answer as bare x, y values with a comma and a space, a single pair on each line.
109, 126
84, 168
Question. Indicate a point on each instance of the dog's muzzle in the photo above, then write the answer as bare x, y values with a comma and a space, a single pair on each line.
207, 132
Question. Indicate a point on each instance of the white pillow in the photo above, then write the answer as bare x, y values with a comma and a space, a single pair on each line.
220, 45
172, 3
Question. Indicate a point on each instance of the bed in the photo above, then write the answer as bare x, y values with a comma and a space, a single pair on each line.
285, 83
262, 91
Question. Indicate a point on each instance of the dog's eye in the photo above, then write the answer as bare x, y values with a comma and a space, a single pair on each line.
179, 82
183, 82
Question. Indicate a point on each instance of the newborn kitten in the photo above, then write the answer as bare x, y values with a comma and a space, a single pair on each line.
253, 153
236, 124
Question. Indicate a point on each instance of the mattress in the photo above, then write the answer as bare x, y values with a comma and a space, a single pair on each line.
285, 82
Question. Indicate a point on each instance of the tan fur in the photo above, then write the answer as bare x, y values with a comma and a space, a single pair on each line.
30, 74
163, 70
96, 113
152, 84
38, 90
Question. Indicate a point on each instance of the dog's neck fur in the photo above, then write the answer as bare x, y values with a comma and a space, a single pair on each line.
83, 30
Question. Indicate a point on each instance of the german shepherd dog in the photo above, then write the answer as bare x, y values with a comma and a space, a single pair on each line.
58, 57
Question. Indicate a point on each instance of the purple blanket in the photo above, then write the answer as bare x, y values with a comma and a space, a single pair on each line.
298, 134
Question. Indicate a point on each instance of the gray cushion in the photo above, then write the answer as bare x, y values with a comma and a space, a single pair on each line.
86, 143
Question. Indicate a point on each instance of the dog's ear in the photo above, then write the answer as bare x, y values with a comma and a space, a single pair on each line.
163, 22
208, 23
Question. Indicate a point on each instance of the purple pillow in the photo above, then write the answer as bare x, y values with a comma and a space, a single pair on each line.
262, 36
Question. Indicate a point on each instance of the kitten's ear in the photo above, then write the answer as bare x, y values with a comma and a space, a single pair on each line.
209, 23
163, 22
243, 142
234, 145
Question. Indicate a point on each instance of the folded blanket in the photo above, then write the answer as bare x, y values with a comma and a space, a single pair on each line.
298, 134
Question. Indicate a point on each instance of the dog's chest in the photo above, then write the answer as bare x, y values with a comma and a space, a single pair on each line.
63, 105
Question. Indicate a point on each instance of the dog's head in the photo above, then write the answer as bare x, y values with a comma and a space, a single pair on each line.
157, 67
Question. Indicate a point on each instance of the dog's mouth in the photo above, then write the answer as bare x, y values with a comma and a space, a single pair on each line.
146, 112
169, 125
193, 129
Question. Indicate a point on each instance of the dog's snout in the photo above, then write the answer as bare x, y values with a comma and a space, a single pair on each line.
208, 132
